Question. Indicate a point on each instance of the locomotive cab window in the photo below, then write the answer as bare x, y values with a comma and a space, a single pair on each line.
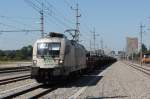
48, 49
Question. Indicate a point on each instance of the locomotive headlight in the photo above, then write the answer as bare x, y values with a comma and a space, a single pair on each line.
61, 61
34, 62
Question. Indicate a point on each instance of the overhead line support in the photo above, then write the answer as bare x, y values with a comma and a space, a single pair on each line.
77, 22
94, 37
42, 20
141, 39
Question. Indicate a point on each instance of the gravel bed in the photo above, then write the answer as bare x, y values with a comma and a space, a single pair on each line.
120, 81
15, 84
31, 94
64, 92
48, 92
117, 81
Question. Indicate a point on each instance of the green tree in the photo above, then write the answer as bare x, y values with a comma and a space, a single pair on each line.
144, 48
19, 55
26, 52
2, 53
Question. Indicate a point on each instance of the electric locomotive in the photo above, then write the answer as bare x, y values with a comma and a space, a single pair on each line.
55, 57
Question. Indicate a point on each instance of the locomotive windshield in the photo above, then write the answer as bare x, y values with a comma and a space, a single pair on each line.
48, 49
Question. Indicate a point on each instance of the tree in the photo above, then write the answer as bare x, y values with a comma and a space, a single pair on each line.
144, 48
25, 53
19, 55
2, 53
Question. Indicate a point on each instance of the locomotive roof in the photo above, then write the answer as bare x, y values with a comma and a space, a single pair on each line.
54, 34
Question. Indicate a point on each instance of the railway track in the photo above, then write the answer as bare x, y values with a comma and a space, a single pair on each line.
29, 91
6, 80
139, 68
15, 69
35, 90
14, 92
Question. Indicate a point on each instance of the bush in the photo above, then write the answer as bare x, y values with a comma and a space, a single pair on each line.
25, 53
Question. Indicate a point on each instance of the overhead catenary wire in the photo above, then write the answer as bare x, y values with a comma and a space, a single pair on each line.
56, 10
16, 21
58, 20
59, 13
50, 20
48, 12
85, 29
68, 4
34, 6
85, 25
11, 26
19, 17
72, 2
40, 11
55, 17
17, 29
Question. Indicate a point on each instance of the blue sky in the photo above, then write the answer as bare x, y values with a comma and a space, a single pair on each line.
114, 20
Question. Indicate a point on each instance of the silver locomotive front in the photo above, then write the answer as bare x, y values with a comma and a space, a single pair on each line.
48, 54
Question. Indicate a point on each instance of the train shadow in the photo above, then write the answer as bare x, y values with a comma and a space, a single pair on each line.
87, 79
90, 78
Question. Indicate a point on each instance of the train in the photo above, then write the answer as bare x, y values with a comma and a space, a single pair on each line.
56, 57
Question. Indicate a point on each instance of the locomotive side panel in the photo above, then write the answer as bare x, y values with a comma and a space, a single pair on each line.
80, 57
69, 57
75, 57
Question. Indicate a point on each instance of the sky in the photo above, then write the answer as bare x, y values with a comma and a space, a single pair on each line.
113, 20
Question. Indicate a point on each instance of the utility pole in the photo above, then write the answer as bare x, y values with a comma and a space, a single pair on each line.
102, 43
94, 37
90, 46
141, 38
40, 11
42, 20
77, 31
